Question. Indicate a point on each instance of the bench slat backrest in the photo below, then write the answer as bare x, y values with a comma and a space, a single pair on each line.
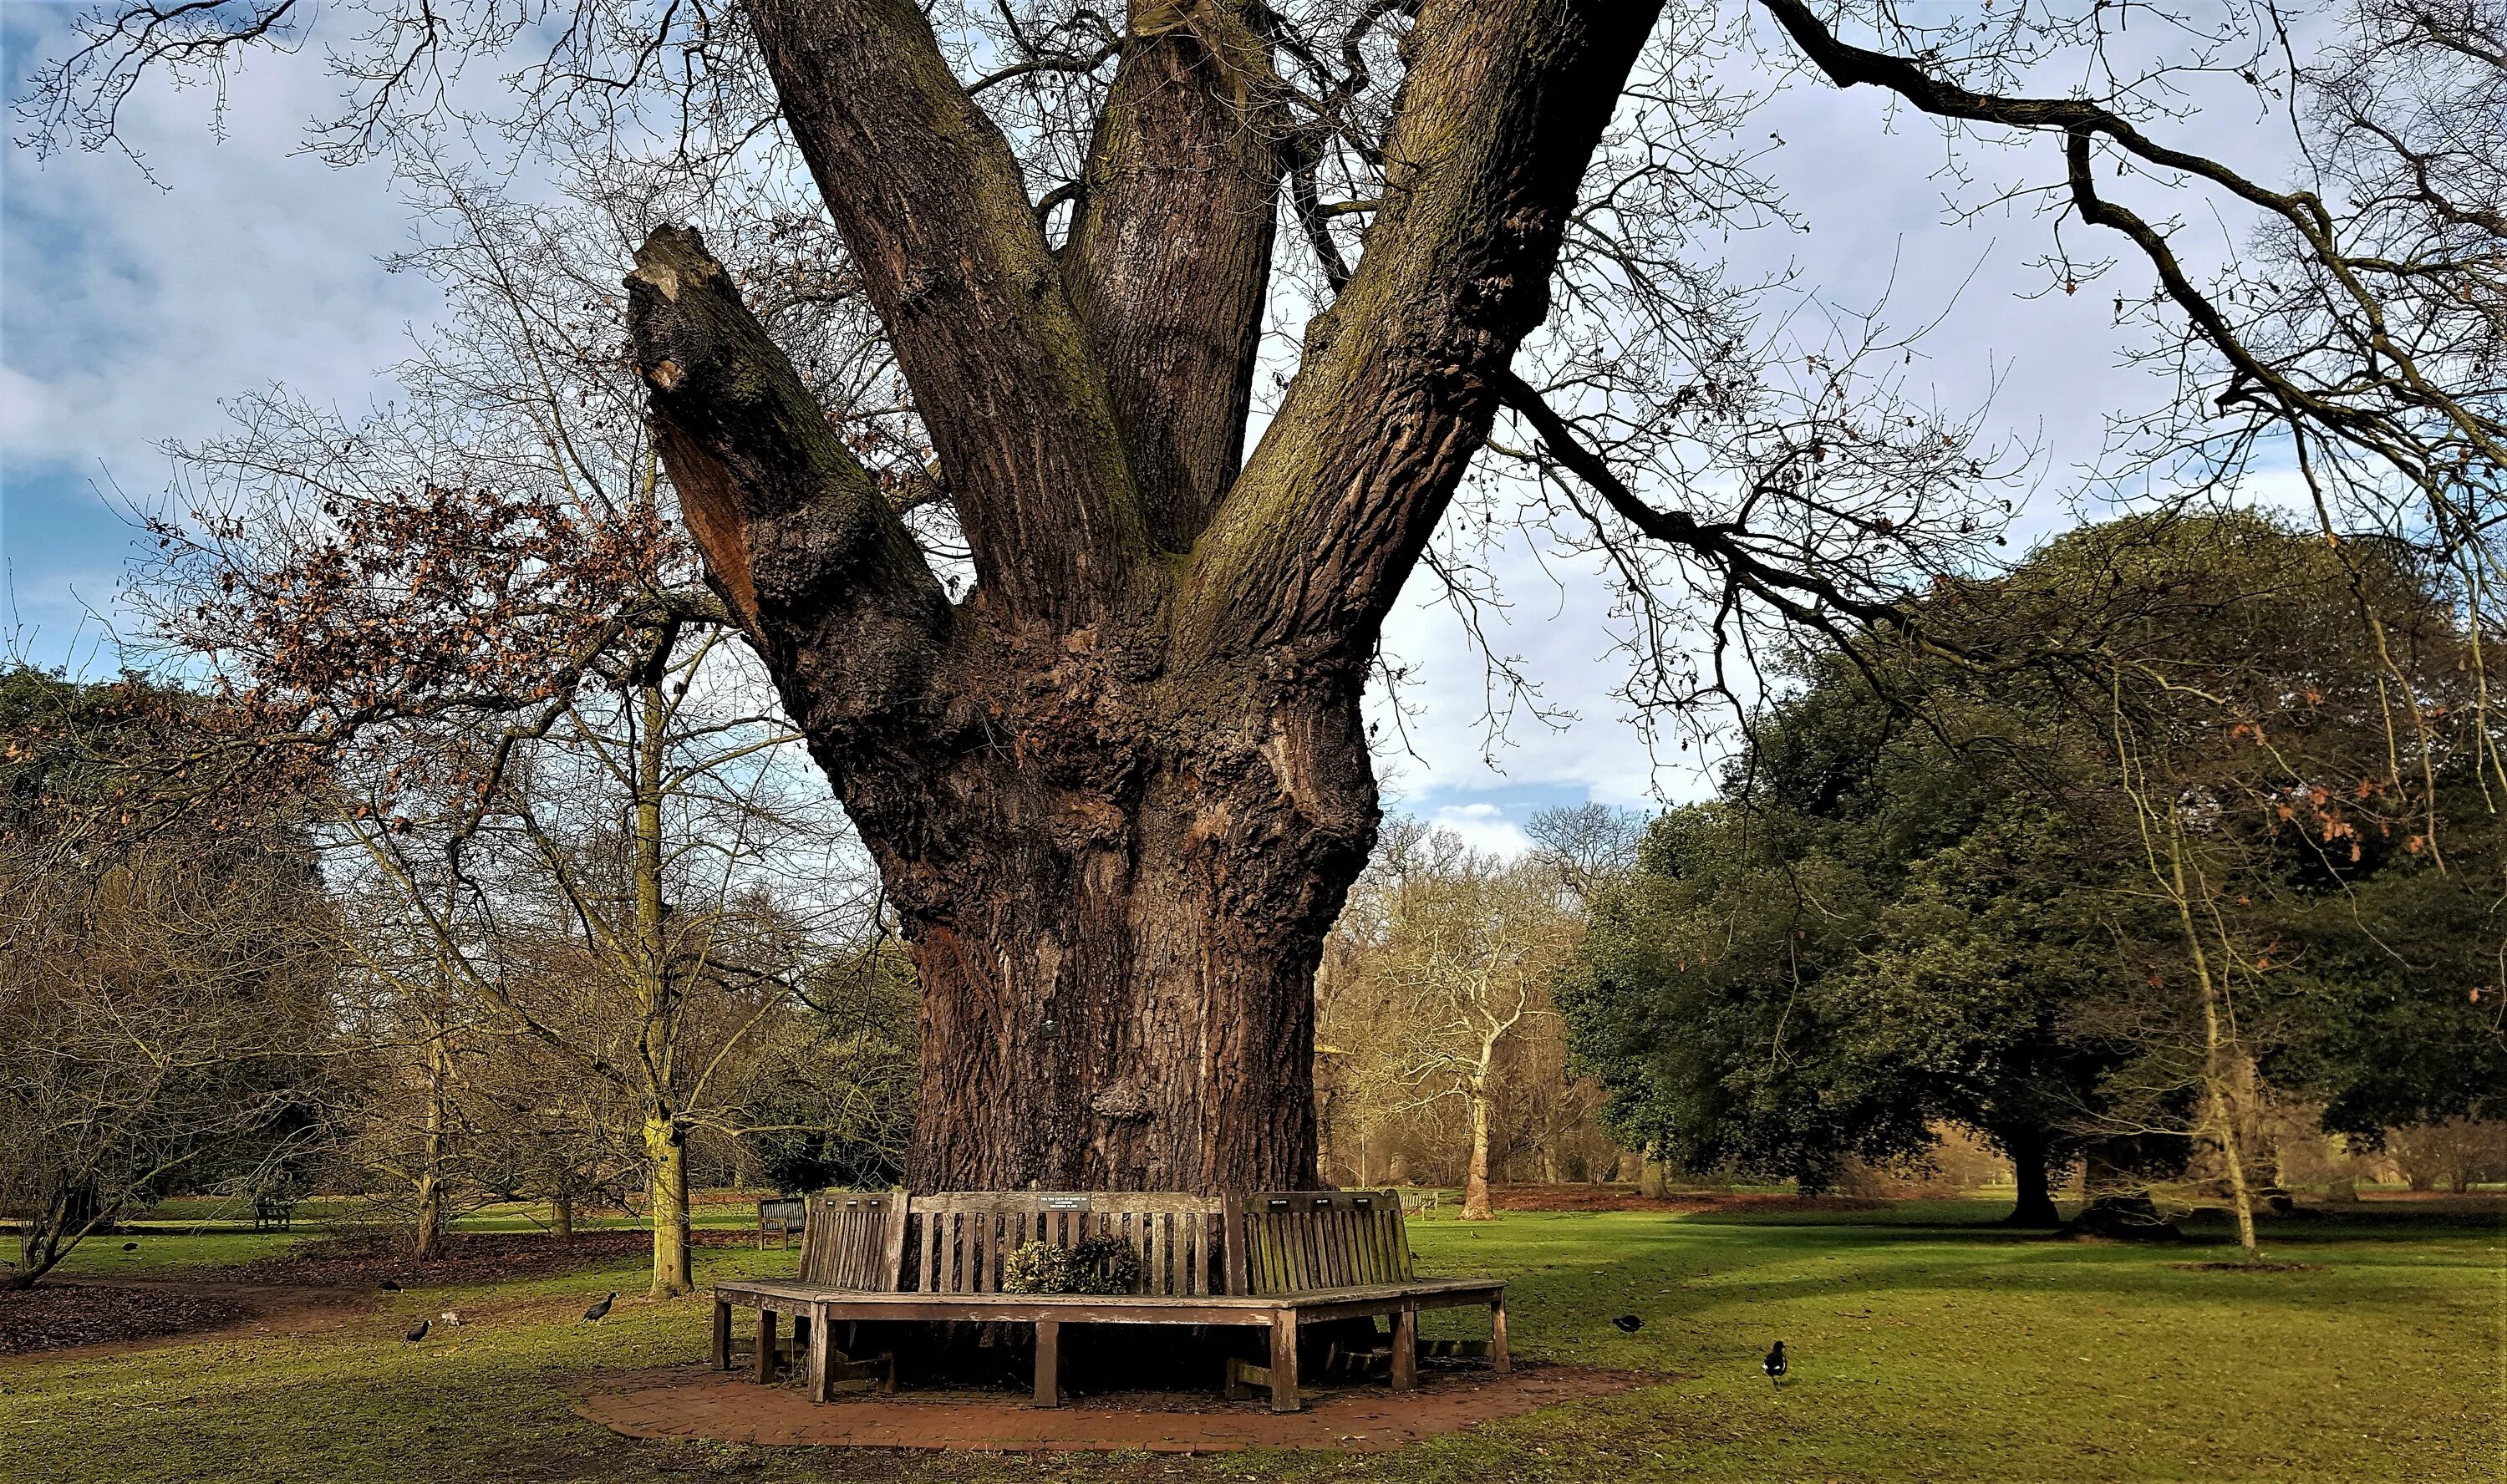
855, 1240
962, 1238
1290, 1241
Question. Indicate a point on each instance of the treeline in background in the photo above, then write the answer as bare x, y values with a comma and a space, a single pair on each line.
2169, 862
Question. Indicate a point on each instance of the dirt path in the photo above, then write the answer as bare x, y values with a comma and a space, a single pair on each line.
94, 1321
699, 1402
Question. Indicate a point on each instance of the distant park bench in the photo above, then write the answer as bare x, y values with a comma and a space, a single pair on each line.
273, 1212
1271, 1260
785, 1218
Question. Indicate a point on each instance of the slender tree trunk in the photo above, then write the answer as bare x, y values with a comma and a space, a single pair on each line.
2220, 1060
429, 1241
2031, 1171
664, 1135
673, 1264
562, 1215
1475, 1179
39, 1246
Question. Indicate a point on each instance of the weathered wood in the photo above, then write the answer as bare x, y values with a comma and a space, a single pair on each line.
1497, 1335
855, 1239
1232, 1240
785, 1218
1240, 1376
721, 1333
1301, 1240
1282, 1259
879, 1372
1283, 1360
815, 1350
964, 1238
765, 1360
1116, 1308
1048, 1362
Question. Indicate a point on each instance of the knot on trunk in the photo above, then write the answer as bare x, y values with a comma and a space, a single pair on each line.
1122, 1102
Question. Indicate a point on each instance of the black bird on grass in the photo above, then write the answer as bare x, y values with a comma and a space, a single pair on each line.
389, 1287
599, 1311
1628, 1324
131, 1246
1774, 1364
417, 1331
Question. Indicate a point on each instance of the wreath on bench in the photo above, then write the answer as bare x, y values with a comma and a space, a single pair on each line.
1098, 1265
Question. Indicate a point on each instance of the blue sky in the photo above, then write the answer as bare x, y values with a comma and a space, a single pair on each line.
127, 311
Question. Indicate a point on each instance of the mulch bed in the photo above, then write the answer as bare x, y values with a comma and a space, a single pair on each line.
1612, 1198
363, 1259
699, 1402
2248, 1267
53, 1315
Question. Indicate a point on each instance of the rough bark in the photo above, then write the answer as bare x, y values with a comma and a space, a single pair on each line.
673, 1269
1170, 249
1117, 794
1476, 1175
429, 1239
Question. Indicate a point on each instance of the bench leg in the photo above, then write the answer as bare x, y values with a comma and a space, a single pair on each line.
1405, 1348
1048, 1362
1283, 1360
822, 1380
765, 1345
721, 1335
1497, 1337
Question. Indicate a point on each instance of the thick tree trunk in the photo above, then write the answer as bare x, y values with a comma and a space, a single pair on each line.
562, 1215
1117, 894
2031, 1171
1476, 1175
673, 1270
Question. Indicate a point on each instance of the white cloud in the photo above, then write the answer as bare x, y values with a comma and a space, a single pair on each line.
1483, 827
131, 310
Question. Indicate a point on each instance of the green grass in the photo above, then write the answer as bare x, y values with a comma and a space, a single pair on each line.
1927, 1345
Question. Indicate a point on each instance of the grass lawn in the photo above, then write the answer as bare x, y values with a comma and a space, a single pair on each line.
1926, 1345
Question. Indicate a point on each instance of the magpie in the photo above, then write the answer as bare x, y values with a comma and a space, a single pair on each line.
1628, 1324
417, 1331
389, 1287
1774, 1364
600, 1310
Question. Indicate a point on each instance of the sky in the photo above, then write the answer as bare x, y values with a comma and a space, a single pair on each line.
132, 307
